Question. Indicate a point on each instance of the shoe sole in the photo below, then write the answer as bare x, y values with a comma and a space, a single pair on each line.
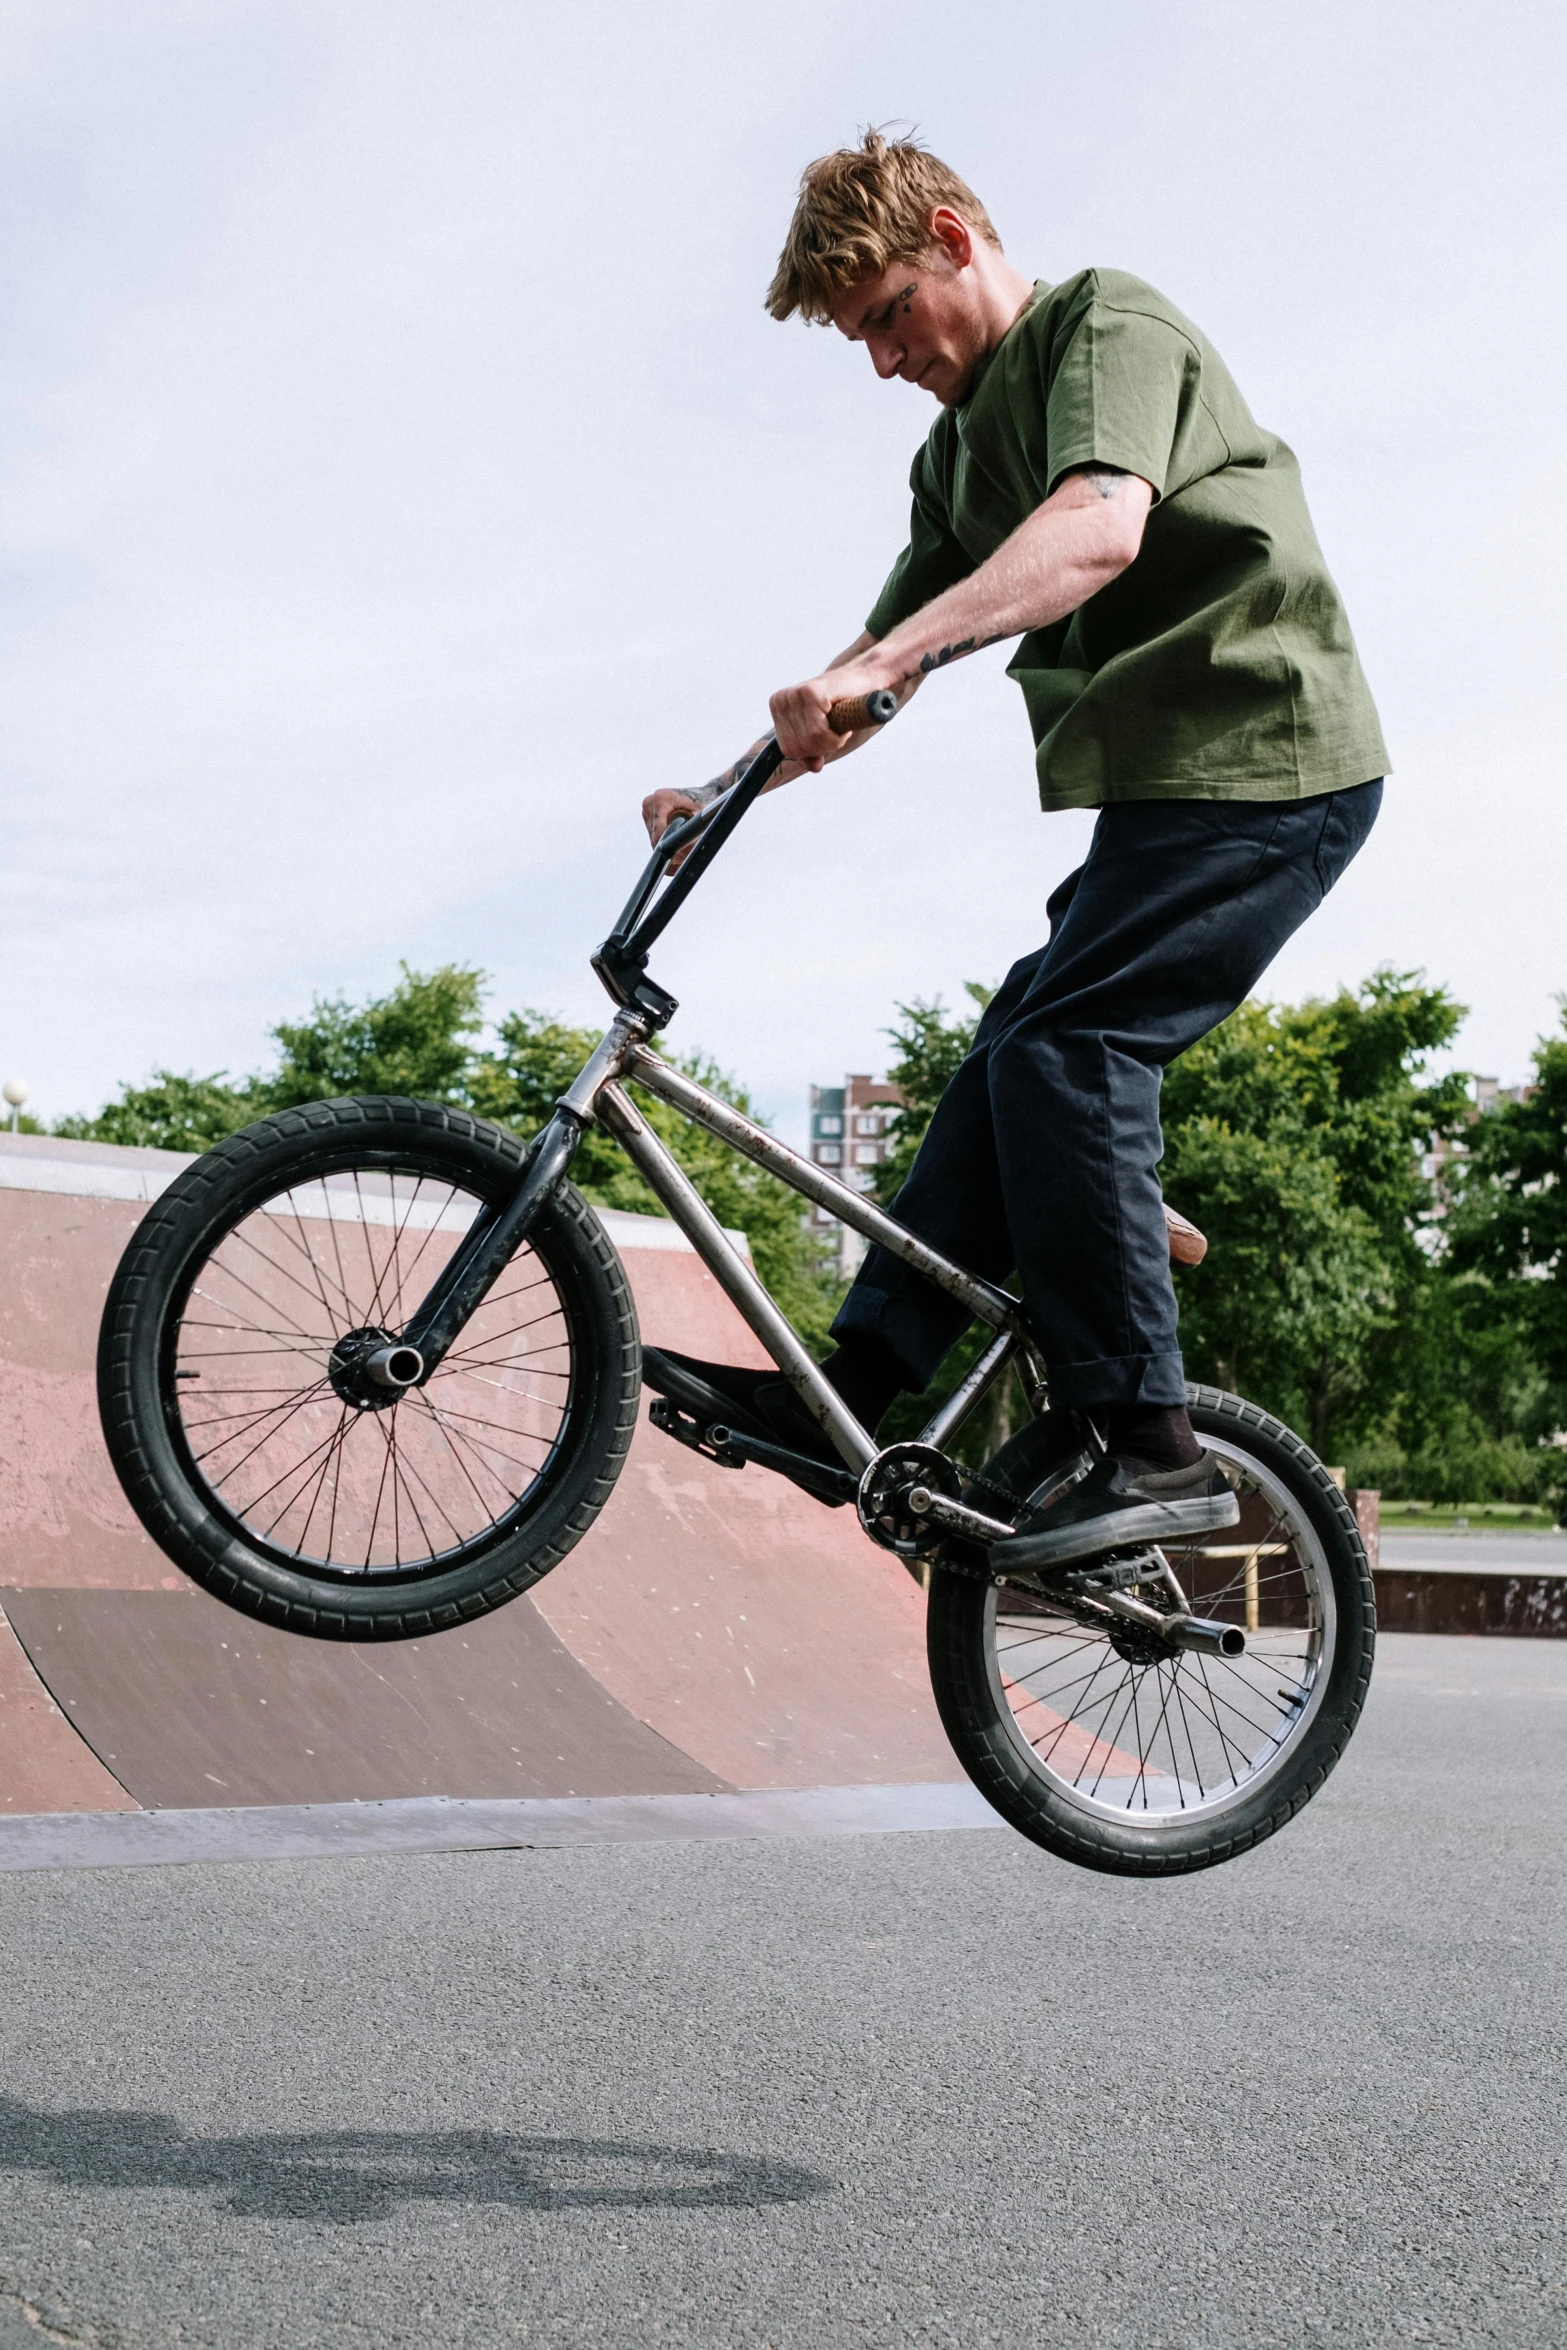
1150, 1521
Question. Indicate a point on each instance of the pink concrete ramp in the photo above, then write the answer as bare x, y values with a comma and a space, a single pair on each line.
715, 1630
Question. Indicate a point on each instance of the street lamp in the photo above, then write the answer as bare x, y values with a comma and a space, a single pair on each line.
16, 1091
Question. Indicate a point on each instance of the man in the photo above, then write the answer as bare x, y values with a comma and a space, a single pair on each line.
1096, 485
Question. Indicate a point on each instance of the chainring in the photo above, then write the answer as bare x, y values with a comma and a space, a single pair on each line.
883, 1498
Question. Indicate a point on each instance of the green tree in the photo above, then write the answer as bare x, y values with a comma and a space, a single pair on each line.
929, 1048
421, 1039
169, 1113
414, 1040
1294, 1287
417, 1040
1293, 1136
1509, 1232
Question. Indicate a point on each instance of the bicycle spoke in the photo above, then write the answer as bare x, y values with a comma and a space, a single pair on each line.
334, 1446
330, 1461
349, 1253
310, 1395
309, 1255
273, 1266
1155, 1734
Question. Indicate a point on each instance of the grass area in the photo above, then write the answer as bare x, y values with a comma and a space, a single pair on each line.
1474, 1517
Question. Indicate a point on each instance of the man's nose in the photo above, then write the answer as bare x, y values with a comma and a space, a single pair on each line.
887, 357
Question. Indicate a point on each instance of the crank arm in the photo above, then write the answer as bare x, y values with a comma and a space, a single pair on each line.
956, 1516
833, 1486
732, 1450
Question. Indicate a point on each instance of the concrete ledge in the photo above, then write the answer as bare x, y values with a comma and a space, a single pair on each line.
107, 1170
1449, 1599
100, 1840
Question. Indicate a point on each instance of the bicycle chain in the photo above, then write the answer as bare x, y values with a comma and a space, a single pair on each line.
1002, 1503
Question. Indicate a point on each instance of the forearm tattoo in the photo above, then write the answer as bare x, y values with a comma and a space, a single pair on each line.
1106, 479
966, 644
710, 791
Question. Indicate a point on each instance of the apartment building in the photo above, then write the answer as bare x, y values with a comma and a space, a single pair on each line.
850, 1136
1443, 1150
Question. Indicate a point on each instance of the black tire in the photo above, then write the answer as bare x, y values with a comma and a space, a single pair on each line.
1122, 1773
253, 1265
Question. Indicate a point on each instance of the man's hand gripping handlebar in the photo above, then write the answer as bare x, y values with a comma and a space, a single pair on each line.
855, 714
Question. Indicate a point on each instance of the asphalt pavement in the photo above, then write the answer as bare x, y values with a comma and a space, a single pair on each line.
1510, 1552
884, 2090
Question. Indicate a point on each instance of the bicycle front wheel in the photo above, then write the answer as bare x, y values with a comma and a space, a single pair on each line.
247, 1446
1113, 1751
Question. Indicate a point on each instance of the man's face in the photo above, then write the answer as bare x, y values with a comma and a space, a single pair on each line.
920, 321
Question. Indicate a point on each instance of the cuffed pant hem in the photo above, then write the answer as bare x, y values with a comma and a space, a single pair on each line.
1115, 1379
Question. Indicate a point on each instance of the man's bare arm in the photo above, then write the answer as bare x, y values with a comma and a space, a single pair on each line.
1083, 536
662, 808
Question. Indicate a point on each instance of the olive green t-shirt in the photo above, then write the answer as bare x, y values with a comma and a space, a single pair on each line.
1219, 665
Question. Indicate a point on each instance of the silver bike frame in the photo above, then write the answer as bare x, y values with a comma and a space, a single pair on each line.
598, 1095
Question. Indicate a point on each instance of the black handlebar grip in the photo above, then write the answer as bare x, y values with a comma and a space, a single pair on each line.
863, 710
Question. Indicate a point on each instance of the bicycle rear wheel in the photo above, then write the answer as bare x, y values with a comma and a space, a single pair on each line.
244, 1440
1112, 1751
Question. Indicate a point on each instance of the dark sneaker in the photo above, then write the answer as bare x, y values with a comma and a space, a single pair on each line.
1034, 1460
1116, 1507
755, 1403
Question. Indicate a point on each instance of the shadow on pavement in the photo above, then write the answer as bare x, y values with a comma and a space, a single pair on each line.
348, 2175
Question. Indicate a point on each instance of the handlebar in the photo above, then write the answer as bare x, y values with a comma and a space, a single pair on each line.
621, 961
862, 710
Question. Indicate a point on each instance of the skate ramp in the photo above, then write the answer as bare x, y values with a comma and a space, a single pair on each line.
715, 1630
187, 1703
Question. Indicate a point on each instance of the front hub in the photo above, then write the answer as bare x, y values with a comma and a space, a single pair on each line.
369, 1369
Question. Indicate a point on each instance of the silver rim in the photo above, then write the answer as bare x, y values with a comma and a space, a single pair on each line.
1187, 1737
303, 1473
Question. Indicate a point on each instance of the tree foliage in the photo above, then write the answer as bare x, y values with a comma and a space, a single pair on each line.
1509, 1228
1293, 1136
1420, 1338
421, 1039
168, 1113
414, 1040
929, 1048
418, 1040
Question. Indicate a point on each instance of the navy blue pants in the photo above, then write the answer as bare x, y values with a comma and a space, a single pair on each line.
1043, 1153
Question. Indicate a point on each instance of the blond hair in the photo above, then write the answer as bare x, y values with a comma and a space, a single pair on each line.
859, 210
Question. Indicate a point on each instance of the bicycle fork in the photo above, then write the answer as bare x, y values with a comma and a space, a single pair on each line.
495, 1237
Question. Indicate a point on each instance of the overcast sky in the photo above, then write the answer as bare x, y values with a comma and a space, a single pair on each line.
399, 476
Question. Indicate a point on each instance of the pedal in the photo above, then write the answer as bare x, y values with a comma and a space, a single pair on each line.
1115, 1571
732, 1450
669, 1418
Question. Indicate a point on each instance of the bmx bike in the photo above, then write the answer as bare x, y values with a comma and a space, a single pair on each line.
371, 1367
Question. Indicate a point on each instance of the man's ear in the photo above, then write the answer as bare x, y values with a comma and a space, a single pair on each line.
950, 232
